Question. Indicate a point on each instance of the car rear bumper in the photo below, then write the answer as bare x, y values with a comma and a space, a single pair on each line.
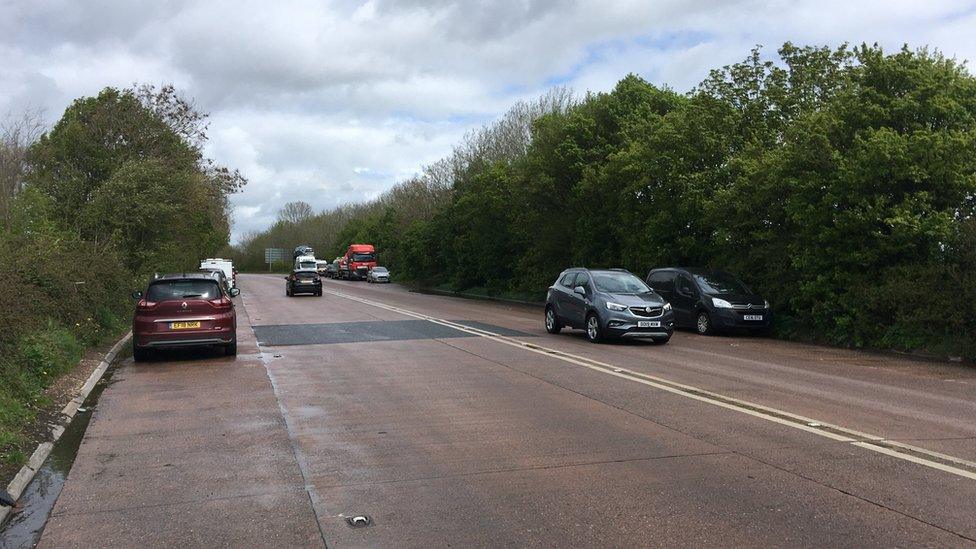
215, 329
175, 343
184, 338
313, 287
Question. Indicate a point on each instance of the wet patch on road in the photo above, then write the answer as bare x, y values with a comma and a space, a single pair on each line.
359, 332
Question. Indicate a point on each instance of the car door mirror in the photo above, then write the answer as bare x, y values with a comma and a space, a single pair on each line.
137, 295
233, 292
579, 290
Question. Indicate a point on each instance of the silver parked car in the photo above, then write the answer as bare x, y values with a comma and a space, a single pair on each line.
378, 274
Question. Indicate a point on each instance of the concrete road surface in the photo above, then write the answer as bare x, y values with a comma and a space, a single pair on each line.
450, 422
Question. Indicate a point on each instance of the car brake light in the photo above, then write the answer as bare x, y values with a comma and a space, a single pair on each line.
145, 305
222, 303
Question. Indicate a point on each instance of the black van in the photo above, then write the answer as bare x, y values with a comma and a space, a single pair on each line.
709, 301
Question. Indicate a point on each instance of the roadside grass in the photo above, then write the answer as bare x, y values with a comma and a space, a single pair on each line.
31, 365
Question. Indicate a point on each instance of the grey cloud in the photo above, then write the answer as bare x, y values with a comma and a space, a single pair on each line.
331, 102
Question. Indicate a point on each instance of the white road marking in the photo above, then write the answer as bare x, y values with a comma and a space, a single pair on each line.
906, 452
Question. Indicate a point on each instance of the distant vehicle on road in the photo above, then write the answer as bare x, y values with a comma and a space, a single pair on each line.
225, 265
378, 274
332, 269
306, 263
357, 261
183, 310
321, 266
219, 275
607, 303
302, 249
303, 281
710, 301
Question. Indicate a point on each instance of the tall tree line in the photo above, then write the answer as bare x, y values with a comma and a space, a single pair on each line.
840, 182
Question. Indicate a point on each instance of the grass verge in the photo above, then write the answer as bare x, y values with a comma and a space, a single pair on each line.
28, 370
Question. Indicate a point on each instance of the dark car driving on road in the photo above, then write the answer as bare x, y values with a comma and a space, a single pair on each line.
303, 281
710, 301
607, 303
182, 310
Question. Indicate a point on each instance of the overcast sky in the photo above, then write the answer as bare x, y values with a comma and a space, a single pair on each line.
333, 102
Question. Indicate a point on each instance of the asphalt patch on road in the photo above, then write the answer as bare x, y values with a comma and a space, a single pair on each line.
359, 332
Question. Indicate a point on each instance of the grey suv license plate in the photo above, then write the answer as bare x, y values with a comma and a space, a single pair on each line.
648, 323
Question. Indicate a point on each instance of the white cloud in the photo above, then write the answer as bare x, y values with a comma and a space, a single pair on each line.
332, 102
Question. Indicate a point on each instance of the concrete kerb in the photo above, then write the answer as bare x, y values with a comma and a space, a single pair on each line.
27, 472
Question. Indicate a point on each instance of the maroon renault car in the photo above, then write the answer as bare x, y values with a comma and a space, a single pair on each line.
184, 310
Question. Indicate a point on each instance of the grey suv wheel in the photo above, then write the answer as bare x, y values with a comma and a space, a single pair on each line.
593, 331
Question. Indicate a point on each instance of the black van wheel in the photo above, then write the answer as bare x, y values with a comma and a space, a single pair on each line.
593, 331
703, 325
552, 321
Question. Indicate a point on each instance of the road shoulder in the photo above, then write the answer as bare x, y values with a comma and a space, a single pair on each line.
190, 450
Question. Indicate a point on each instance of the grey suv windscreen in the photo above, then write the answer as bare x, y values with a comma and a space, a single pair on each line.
721, 283
619, 283
183, 289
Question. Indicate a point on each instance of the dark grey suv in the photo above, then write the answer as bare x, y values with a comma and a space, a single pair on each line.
607, 303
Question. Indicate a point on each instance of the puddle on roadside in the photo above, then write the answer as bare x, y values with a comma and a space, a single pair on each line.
24, 529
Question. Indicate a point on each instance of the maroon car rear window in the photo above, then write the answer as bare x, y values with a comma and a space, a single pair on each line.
183, 289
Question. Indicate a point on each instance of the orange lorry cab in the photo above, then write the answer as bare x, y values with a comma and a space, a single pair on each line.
357, 261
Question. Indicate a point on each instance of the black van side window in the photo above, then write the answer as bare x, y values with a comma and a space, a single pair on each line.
684, 283
662, 281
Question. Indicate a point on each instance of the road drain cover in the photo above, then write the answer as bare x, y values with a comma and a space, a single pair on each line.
359, 521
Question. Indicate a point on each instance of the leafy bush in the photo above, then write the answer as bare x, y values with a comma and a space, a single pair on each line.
116, 190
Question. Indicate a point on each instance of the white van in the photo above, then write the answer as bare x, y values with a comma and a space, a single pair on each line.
305, 262
225, 265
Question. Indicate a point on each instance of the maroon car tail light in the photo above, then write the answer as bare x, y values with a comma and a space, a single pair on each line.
144, 305
222, 303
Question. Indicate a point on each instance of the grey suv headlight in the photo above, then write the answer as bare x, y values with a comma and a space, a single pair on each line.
616, 306
721, 303
667, 307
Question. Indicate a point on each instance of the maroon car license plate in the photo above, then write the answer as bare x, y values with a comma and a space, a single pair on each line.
184, 325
